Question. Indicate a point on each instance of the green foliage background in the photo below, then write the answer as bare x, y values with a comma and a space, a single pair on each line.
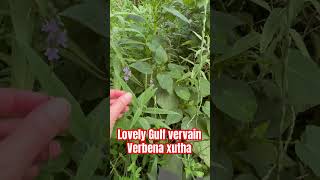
80, 75
266, 89
166, 46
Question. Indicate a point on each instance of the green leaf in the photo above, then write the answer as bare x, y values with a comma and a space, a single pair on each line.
136, 117
145, 97
90, 14
202, 149
204, 86
177, 14
144, 123
242, 45
157, 122
173, 165
183, 92
142, 67
235, 98
54, 87
161, 55
299, 42
158, 111
173, 118
153, 173
206, 108
303, 82
316, 4
98, 122
88, 164
274, 21
262, 3
222, 166
261, 163
308, 149
22, 21
165, 82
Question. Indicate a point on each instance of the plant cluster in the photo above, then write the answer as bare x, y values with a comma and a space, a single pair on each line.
160, 52
266, 89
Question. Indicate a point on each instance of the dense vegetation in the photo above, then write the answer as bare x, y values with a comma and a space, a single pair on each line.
160, 53
59, 47
266, 89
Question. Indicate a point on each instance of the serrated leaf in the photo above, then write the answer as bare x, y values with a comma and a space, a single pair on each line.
142, 67
161, 55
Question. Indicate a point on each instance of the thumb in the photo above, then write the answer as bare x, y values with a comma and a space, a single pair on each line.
18, 150
117, 108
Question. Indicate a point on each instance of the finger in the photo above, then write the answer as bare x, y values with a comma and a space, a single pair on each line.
116, 93
52, 151
112, 101
31, 173
31, 137
120, 116
126, 109
8, 125
19, 103
117, 107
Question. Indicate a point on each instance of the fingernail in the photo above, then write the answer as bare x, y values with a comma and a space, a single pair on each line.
127, 96
59, 110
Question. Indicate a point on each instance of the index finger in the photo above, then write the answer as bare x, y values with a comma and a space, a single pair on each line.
116, 93
18, 103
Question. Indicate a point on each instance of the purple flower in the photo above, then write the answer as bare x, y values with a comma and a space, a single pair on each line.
127, 73
57, 37
126, 69
126, 78
50, 26
52, 54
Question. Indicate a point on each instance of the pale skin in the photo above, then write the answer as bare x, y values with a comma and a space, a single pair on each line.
30, 121
119, 104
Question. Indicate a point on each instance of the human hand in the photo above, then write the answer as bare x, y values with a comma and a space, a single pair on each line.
119, 101
28, 123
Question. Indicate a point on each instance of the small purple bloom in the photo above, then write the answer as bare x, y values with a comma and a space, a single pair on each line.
126, 69
127, 73
50, 26
52, 54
